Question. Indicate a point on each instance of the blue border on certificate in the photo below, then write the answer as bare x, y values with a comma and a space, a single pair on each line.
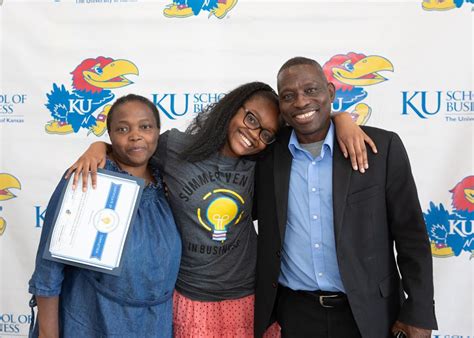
117, 270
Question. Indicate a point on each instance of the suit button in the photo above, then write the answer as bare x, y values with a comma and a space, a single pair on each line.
278, 253
274, 285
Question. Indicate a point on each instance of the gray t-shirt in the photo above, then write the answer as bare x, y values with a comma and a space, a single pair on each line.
314, 148
212, 204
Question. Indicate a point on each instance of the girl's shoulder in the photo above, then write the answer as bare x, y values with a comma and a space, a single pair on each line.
174, 140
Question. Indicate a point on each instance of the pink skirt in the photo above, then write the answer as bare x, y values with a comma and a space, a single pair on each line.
226, 319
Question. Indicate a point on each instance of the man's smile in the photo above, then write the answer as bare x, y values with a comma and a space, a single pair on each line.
305, 117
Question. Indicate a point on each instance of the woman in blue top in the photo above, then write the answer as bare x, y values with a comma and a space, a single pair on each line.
77, 302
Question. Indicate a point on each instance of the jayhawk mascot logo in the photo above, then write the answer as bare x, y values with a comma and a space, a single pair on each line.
7, 182
442, 5
186, 8
350, 73
453, 233
92, 82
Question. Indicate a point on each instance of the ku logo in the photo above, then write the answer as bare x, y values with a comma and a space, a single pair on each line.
452, 233
422, 103
222, 210
443, 5
92, 82
7, 182
186, 8
350, 73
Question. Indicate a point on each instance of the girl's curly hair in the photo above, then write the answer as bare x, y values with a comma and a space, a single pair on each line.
208, 131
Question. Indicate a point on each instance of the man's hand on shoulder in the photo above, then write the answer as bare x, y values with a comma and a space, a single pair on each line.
410, 331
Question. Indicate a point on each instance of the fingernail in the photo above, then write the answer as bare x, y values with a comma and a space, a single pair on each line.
345, 155
73, 187
94, 186
362, 170
366, 166
355, 167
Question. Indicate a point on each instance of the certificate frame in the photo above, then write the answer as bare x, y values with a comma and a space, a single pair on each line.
69, 226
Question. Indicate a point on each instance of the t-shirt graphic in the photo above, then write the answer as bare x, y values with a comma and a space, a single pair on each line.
223, 210
212, 206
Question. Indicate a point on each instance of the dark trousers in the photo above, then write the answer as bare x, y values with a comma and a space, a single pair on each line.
300, 315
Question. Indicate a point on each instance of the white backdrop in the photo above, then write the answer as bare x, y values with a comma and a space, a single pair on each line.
183, 63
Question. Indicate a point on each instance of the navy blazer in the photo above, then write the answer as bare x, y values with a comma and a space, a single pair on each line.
372, 212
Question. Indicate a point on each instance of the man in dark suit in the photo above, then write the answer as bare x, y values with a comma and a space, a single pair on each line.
326, 262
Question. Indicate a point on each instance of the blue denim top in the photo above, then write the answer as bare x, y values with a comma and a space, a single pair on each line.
135, 304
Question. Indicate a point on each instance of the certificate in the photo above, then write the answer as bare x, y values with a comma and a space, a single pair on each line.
90, 228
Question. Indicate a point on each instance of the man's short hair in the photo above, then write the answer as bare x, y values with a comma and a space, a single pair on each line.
300, 60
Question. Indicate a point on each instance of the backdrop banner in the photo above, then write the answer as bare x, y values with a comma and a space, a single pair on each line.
406, 66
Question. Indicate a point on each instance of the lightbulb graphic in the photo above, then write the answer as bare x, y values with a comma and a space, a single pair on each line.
222, 211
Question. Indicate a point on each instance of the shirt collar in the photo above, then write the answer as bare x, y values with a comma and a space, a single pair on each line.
294, 145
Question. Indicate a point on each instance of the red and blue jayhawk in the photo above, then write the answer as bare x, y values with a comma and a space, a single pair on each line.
349, 73
451, 233
185, 8
91, 82
442, 5
7, 182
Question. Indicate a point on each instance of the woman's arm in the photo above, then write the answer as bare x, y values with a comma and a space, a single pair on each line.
352, 139
93, 158
48, 316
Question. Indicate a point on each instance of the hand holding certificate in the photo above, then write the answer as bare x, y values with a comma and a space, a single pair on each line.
91, 227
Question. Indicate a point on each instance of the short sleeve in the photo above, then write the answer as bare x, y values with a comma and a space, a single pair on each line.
48, 275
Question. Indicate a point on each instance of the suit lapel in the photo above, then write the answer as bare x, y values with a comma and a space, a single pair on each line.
341, 176
282, 167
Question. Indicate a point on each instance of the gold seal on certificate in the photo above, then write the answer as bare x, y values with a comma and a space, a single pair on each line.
90, 228
106, 220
